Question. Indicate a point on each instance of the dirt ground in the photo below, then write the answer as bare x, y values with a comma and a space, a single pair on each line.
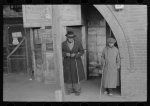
18, 87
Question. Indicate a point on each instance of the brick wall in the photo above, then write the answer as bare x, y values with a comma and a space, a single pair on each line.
133, 20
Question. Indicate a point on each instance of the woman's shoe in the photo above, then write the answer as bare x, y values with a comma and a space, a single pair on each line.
77, 93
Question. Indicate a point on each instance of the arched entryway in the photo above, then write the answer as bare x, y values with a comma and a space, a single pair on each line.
98, 30
117, 30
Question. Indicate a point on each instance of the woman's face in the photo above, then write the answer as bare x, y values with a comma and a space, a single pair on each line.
111, 44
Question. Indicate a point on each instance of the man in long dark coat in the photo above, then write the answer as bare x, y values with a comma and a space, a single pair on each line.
72, 51
111, 64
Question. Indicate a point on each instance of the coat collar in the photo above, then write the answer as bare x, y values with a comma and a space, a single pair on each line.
75, 44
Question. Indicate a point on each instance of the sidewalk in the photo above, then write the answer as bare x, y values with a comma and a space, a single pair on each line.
18, 87
91, 92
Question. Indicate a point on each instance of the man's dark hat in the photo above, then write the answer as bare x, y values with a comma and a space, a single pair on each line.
70, 34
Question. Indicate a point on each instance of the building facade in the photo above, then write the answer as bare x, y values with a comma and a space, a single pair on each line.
92, 25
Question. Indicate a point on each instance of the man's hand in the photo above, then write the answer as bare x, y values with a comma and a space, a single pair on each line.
68, 54
72, 55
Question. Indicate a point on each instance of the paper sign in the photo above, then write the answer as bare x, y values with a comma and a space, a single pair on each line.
16, 34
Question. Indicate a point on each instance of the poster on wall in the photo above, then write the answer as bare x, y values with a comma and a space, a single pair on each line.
37, 15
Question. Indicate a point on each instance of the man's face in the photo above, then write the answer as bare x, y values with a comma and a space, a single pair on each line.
70, 40
111, 44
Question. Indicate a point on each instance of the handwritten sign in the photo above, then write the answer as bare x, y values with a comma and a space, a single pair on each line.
16, 34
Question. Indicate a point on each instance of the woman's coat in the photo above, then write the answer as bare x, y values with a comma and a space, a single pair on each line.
73, 67
111, 63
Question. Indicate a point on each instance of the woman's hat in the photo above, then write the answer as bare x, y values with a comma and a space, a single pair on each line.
111, 40
70, 34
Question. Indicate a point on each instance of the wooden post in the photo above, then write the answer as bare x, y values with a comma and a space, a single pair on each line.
57, 39
7, 39
85, 51
44, 58
32, 50
26, 47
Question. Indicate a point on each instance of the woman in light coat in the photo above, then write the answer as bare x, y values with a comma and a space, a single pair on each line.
111, 64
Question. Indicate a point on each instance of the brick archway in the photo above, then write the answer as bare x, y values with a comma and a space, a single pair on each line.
120, 37
116, 29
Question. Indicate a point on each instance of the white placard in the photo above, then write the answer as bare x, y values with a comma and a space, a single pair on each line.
117, 7
16, 34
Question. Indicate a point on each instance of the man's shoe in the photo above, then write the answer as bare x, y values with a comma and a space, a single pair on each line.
69, 92
110, 94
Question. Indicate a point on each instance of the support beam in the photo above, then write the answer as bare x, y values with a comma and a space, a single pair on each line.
27, 52
32, 50
57, 39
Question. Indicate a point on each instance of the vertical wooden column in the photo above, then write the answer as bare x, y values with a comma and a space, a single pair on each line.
26, 47
57, 38
85, 51
32, 50
7, 40
44, 58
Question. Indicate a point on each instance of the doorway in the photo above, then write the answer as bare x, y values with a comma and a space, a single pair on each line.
79, 31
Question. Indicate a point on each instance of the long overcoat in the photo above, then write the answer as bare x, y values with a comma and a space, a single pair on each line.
111, 62
73, 67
